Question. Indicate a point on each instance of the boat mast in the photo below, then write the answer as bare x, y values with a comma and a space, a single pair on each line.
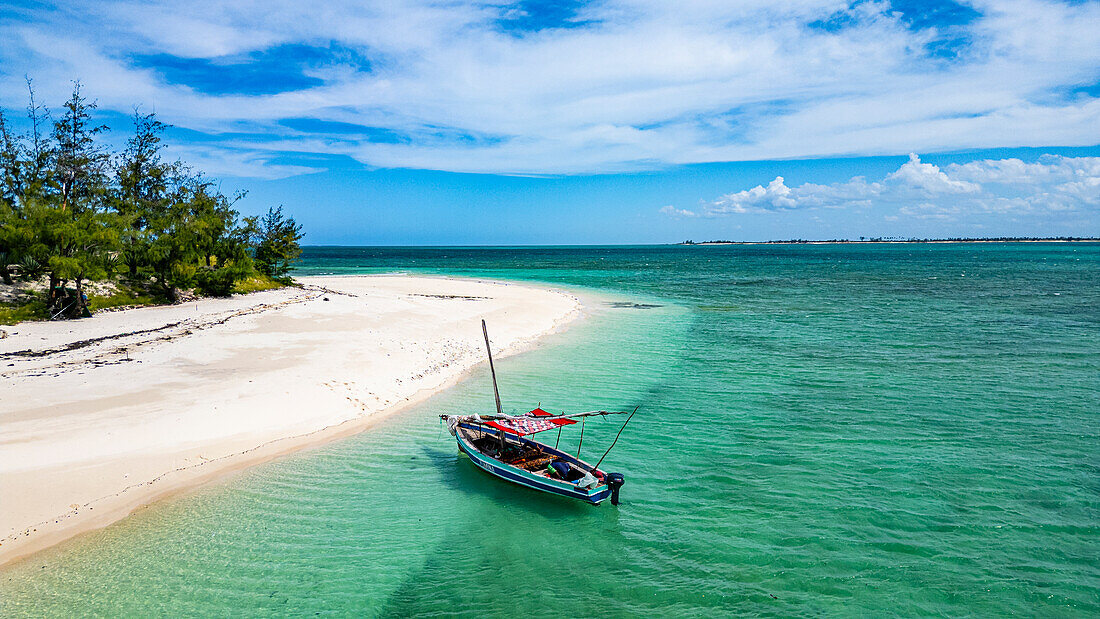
492, 370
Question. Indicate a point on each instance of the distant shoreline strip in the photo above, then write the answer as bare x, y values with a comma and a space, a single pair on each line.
898, 241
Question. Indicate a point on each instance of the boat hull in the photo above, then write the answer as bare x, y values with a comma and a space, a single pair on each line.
528, 479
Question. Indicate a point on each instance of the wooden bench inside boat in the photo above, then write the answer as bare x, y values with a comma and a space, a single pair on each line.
533, 464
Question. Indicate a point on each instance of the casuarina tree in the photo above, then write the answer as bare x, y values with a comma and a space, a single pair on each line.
277, 242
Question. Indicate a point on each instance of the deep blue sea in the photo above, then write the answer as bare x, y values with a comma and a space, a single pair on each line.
908, 429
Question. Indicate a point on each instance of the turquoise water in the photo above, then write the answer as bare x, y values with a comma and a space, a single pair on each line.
837, 430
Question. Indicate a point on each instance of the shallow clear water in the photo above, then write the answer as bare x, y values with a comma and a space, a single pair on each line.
904, 429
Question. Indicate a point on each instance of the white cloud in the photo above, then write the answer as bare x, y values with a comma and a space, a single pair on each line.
928, 179
1048, 169
678, 212
926, 191
647, 83
242, 163
775, 197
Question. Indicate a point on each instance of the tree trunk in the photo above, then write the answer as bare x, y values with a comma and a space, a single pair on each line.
169, 291
81, 306
132, 260
53, 293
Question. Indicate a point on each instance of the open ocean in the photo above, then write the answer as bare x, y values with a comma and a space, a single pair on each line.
823, 430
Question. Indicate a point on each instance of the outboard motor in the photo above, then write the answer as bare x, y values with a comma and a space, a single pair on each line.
615, 481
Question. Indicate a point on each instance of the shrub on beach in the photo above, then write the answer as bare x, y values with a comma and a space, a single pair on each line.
256, 283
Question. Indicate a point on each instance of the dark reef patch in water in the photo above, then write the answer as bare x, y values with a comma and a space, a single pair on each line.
630, 305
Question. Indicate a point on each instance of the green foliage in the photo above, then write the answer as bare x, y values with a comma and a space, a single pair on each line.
219, 282
125, 296
277, 245
79, 164
73, 212
256, 283
56, 221
142, 188
12, 314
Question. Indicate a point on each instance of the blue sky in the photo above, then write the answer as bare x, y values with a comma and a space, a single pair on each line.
603, 122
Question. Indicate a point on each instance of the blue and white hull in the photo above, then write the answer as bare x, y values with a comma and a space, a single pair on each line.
533, 480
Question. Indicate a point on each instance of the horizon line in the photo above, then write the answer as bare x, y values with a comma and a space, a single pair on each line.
876, 241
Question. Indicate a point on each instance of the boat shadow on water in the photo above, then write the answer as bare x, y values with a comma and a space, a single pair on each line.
507, 538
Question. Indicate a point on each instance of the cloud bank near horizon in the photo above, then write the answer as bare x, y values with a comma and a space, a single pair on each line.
552, 88
1052, 185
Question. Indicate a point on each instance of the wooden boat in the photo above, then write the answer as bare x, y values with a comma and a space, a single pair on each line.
498, 445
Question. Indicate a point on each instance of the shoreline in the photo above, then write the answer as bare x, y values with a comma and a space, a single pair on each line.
434, 316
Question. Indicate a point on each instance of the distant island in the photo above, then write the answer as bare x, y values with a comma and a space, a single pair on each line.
895, 239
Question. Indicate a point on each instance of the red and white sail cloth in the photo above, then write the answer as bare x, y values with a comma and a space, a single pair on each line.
529, 423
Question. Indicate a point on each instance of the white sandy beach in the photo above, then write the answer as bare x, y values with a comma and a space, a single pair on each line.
103, 415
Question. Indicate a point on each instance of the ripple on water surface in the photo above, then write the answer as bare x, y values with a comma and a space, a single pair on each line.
823, 430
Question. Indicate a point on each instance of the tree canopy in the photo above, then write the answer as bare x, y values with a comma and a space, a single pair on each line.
276, 239
71, 212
